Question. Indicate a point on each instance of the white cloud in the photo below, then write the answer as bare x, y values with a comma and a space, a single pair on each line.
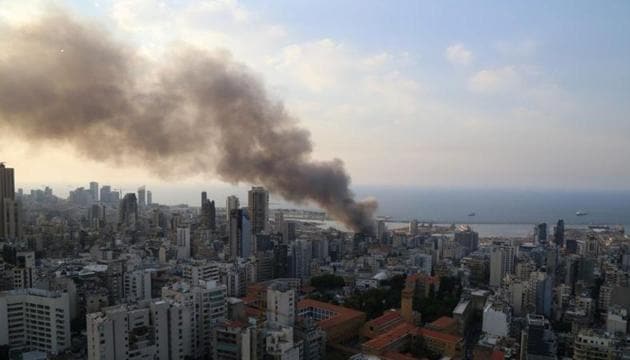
495, 80
457, 54
16, 12
368, 108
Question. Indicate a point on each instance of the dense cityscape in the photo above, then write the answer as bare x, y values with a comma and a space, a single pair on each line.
313, 180
106, 275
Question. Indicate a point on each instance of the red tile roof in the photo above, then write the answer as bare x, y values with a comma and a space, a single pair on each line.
497, 355
444, 322
439, 335
253, 312
342, 314
382, 341
387, 317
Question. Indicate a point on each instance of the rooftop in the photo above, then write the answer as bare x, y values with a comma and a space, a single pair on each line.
341, 314
461, 307
439, 335
387, 317
384, 340
444, 322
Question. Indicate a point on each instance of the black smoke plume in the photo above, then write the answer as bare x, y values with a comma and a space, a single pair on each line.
195, 112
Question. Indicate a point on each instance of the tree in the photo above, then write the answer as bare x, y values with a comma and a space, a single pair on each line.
418, 348
371, 302
441, 303
327, 282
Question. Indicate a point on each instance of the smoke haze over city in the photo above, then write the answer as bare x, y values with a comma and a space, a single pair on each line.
190, 113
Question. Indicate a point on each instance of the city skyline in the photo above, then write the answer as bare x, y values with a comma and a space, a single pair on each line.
524, 108
300, 180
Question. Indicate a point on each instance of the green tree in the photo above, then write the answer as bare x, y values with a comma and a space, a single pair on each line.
327, 282
440, 303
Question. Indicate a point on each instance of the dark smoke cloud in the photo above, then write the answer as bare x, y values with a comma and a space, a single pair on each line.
194, 113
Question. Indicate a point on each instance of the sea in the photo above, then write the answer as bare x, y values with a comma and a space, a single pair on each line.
497, 212
501, 212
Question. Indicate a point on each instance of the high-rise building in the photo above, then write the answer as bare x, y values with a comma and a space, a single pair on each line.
258, 207
289, 232
558, 233
413, 227
128, 210
10, 216
234, 340
281, 304
94, 190
205, 305
313, 339
106, 194
231, 203
19, 271
35, 320
96, 215
235, 276
501, 262
538, 340
280, 261
137, 285
540, 287
240, 234
264, 265
278, 220
149, 198
142, 196
80, 196
140, 331
467, 238
301, 256
198, 271
183, 242
380, 230
540, 233
208, 212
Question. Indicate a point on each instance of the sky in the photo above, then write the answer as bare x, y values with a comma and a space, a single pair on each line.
475, 94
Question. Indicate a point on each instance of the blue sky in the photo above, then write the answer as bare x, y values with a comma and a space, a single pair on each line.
509, 94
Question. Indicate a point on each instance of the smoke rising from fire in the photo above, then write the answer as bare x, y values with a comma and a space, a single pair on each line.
195, 112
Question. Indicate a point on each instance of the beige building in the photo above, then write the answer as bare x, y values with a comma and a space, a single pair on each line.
35, 320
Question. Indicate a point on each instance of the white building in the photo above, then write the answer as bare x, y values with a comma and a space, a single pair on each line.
183, 242
35, 320
422, 261
279, 344
617, 320
201, 271
501, 262
236, 276
137, 285
203, 306
147, 330
281, 304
